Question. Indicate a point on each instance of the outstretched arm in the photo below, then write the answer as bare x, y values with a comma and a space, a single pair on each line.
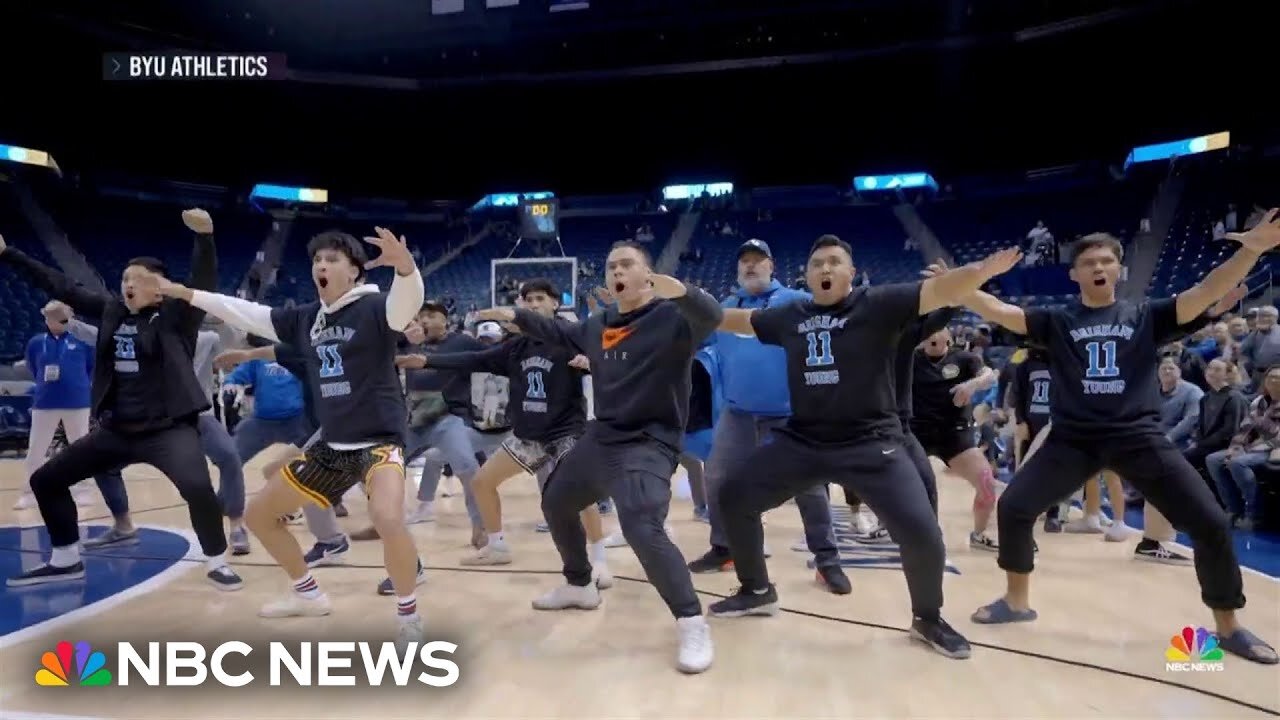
204, 264
698, 308
954, 287
491, 360
737, 321
994, 310
252, 317
234, 358
55, 284
83, 331
1220, 281
554, 331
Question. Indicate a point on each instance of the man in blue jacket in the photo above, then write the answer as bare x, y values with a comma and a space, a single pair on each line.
756, 400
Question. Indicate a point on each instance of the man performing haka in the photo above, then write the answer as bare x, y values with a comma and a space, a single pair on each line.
146, 344
1105, 409
353, 330
640, 351
844, 425
547, 411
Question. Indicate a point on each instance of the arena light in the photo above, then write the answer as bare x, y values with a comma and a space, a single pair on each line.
889, 183
497, 200
686, 192
1177, 148
289, 194
27, 156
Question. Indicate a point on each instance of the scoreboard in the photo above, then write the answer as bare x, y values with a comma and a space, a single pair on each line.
540, 218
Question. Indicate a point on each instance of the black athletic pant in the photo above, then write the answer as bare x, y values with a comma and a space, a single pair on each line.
879, 470
921, 460
174, 451
637, 475
1151, 464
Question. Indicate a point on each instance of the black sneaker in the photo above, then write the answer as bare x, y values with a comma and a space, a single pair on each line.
48, 574
322, 554
878, 536
111, 538
940, 636
386, 588
1154, 551
224, 578
834, 579
1052, 525
747, 602
713, 561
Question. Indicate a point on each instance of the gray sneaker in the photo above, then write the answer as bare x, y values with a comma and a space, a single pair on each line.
111, 538
239, 541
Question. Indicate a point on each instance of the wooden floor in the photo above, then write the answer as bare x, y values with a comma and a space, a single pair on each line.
1097, 650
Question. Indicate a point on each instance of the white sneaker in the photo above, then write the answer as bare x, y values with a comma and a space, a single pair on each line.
696, 650
601, 576
82, 495
425, 512
1088, 525
864, 521
1118, 532
25, 502
296, 605
411, 631
586, 597
615, 540
489, 555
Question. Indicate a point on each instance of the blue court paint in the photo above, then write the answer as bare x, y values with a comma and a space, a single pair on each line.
113, 575
853, 554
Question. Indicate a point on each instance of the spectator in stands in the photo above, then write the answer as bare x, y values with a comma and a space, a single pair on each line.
1261, 349
1232, 469
1203, 343
1180, 410
1222, 410
1190, 364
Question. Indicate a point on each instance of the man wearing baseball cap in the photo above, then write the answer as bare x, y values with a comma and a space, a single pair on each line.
756, 400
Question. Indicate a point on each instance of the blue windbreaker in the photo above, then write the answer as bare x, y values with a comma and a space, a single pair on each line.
63, 370
698, 442
754, 375
277, 394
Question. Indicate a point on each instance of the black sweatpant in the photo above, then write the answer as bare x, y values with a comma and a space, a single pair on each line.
879, 470
920, 458
637, 475
1151, 464
174, 451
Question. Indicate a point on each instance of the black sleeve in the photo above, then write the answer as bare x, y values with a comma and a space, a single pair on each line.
896, 305
1017, 389
83, 301
203, 276
288, 357
768, 324
288, 323
970, 365
1233, 415
937, 320
701, 311
1040, 323
568, 335
1164, 320
495, 360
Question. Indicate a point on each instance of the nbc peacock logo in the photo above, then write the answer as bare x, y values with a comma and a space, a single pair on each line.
90, 666
1193, 650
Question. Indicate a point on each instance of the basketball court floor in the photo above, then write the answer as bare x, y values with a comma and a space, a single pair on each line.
1098, 649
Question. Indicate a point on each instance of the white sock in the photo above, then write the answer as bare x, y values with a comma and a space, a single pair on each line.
597, 552
497, 540
213, 562
65, 556
307, 587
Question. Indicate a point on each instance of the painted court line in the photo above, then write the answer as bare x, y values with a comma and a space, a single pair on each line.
161, 579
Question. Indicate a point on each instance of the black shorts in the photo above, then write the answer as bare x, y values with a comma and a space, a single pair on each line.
947, 443
323, 475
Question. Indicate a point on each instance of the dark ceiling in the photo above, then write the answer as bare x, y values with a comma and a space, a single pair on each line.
733, 90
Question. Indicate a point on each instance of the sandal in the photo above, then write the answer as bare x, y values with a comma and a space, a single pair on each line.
999, 613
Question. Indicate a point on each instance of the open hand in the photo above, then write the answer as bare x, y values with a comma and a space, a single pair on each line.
394, 252
498, 314
412, 362
1000, 262
159, 284
1264, 236
198, 221
415, 333
667, 287
936, 269
580, 362
962, 394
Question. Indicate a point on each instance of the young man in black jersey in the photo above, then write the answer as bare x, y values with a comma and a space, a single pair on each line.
845, 425
1105, 408
352, 330
640, 351
147, 342
547, 411
944, 381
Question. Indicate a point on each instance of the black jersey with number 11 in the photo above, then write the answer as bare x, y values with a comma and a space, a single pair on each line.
1103, 363
840, 361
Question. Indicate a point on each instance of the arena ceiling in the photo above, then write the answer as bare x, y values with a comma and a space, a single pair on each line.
386, 97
